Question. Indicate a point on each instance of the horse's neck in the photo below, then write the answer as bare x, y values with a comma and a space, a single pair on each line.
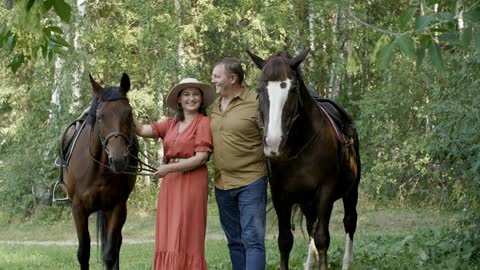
312, 117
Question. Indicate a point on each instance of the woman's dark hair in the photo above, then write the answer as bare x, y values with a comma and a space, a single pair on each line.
180, 115
232, 66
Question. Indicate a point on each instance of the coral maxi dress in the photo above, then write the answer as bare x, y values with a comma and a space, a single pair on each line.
182, 201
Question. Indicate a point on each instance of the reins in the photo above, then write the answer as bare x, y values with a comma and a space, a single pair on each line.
140, 170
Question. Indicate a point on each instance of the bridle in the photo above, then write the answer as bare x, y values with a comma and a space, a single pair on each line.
148, 171
296, 115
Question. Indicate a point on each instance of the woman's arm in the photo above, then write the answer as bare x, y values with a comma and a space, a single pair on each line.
184, 165
142, 130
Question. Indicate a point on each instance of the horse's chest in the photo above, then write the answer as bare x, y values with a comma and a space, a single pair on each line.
105, 195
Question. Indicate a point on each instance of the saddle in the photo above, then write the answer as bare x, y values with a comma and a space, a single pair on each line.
338, 120
67, 143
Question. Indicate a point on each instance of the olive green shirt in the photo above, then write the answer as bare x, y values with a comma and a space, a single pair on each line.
237, 142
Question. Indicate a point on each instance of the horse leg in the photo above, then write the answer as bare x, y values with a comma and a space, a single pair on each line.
285, 236
312, 257
116, 218
350, 224
322, 235
80, 218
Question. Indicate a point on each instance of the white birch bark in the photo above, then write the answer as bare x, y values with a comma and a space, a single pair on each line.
296, 44
77, 74
311, 28
55, 97
331, 81
181, 45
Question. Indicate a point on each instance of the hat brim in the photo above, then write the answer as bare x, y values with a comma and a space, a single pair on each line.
208, 94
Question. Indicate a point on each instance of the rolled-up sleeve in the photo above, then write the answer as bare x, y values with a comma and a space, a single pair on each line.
160, 128
203, 136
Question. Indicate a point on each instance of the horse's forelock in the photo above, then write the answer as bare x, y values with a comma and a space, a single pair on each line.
109, 93
276, 69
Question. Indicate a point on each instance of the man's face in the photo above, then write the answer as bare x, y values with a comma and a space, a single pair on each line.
220, 79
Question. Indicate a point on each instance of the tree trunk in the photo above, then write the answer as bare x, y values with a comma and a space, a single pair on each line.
9, 4
181, 45
77, 74
55, 97
339, 40
313, 36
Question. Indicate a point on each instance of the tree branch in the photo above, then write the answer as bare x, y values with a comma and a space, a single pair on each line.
350, 14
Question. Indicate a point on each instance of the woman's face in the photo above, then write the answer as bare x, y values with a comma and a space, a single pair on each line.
191, 99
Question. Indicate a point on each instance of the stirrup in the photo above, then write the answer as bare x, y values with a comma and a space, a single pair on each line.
59, 163
66, 198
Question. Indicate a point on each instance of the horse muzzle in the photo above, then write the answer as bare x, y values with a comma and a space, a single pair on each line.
118, 164
273, 146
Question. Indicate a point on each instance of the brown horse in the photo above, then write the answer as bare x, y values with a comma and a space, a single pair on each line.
311, 161
101, 172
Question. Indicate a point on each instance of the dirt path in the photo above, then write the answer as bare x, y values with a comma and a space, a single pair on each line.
74, 242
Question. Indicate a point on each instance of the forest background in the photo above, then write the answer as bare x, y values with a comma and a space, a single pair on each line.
407, 71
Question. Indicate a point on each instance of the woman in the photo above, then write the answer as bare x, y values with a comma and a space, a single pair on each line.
182, 201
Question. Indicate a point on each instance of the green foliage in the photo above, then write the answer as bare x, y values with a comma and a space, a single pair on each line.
438, 26
417, 128
27, 29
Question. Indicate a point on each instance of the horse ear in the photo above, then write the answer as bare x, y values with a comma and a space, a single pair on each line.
125, 84
297, 60
259, 62
96, 87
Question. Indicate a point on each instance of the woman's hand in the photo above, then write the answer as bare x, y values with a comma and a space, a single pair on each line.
162, 170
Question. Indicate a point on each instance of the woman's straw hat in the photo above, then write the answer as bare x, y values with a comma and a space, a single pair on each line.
207, 90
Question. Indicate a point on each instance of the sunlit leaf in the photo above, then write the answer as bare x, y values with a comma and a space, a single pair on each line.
59, 40
450, 38
447, 16
48, 4
406, 45
436, 56
63, 10
472, 16
385, 55
423, 21
55, 29
30, 4
467, 37
406, 17
11, 41
477, 40
424, 42
352, 61
17, 61
381, 42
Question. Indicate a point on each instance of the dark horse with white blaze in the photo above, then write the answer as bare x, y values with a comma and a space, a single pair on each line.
101, 172
311, 161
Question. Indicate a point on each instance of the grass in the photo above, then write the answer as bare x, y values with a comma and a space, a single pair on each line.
387, 238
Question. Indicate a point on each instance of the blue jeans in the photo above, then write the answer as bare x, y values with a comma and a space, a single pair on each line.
242, 215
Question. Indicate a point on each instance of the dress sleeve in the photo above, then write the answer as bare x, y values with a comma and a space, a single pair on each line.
203, 138
160, 128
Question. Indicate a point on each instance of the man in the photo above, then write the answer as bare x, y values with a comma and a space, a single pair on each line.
240, 172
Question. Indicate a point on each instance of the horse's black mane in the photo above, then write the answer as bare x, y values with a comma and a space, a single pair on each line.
109, 93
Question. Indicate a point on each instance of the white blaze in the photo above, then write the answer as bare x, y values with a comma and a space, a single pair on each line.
277, 97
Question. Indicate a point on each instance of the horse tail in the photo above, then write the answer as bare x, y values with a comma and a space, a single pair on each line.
102, 230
